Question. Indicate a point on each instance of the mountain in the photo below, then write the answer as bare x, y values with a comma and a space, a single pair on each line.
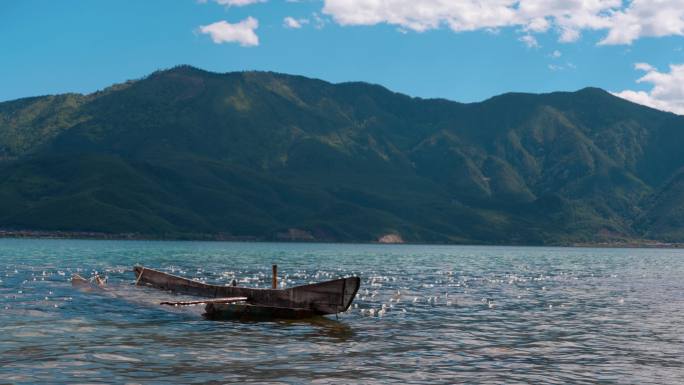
260, 155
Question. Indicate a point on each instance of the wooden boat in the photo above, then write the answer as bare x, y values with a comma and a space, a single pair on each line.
234, 302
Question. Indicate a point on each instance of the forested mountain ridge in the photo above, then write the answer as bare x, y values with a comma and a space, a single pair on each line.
189, 153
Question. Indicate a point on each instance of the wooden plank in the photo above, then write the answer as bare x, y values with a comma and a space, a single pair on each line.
214, 300
274, 277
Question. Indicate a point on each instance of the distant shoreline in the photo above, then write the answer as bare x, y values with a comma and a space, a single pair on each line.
90, 235
121, 236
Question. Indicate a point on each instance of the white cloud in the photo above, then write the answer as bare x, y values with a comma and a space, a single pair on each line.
291, 22
644, 67
530, 41
241, 32
624, 21
641, 18
422, 15
556, 54
238, 3
667, 91
538, 24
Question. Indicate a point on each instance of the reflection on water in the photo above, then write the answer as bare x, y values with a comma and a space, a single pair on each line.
434, 314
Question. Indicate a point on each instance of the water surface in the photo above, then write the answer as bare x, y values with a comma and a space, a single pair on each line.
424, 314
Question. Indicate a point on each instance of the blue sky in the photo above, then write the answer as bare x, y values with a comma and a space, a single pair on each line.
464, 50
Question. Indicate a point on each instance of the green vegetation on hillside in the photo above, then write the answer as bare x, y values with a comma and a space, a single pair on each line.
189, 153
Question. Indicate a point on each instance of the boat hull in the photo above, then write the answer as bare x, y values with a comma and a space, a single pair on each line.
322, 298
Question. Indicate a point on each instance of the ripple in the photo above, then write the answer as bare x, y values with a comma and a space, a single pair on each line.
115, 357
424, 314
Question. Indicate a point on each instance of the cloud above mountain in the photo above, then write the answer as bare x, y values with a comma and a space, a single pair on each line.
241, 32
667, 91
623, 21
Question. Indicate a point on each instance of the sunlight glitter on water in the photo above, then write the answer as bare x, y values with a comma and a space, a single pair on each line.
435, 314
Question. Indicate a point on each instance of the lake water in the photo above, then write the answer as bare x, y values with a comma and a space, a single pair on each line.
453, 314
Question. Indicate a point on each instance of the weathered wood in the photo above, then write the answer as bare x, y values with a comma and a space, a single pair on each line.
77, 280
96, 282
214, 300
274, 276
320, 298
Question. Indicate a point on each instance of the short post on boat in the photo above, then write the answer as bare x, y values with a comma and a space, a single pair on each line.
274, 282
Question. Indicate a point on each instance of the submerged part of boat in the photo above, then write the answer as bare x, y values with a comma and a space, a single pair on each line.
95, 282
304, 301
246, 311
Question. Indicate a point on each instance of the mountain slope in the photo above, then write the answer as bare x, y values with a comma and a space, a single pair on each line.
185, 152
